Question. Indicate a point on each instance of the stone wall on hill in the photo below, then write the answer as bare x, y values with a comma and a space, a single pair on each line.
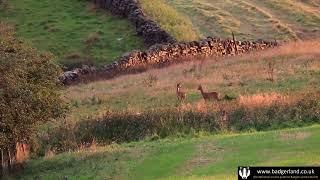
160, 55
150, 32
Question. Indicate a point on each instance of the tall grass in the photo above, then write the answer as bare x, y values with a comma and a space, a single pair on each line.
234, 116
169, 19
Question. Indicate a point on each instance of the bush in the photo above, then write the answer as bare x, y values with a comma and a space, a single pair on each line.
29, 93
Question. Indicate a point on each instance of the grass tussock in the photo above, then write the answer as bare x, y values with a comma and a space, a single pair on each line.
178, 25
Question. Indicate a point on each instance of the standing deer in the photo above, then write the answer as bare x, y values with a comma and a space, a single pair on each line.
207, 96
181, 95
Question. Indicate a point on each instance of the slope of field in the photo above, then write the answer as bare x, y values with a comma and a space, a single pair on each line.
205, 157
73, 30
296, 69
253, 19
175, 23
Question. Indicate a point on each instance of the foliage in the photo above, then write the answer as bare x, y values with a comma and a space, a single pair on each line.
29, 89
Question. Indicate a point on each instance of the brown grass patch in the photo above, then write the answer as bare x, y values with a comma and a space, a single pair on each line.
263, 99
294, 48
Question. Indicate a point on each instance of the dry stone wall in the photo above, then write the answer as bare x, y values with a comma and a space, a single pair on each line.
160, 55
146, 28
164, 49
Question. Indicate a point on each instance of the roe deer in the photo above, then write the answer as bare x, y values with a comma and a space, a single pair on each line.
181, 95
207, 96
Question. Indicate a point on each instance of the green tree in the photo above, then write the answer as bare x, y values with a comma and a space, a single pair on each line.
29, 93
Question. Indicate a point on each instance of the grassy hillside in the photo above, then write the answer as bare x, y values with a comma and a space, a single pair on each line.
253, 19
296, 69
178, 25
73, 30
204, 157
135, 107
76, 32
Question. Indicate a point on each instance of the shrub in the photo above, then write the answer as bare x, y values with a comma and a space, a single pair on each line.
29, 93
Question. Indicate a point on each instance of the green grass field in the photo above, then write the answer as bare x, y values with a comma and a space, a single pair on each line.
72, 30
253, 19
202, 157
